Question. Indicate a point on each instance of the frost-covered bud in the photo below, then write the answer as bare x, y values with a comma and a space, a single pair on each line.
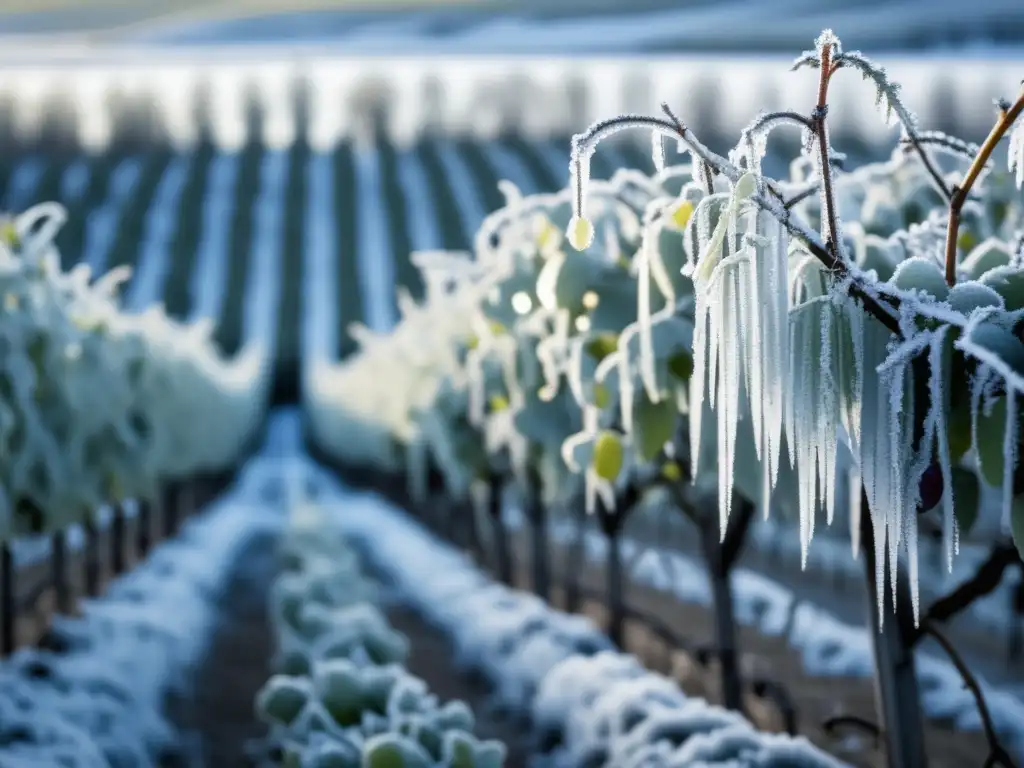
580, 233
609, 456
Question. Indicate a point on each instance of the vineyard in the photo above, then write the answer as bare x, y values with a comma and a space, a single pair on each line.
366, 424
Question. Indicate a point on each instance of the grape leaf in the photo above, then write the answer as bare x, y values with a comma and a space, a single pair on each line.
653, 425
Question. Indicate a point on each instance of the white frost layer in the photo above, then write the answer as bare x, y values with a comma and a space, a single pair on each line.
98, 701
827, 646
557, 669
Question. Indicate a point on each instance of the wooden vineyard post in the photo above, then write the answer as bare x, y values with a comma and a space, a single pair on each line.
614, 597
117, 531
144, 528
92, 562
896, 691
502, 553
169, 508
576, 558
8, 611
537, 519
59, 570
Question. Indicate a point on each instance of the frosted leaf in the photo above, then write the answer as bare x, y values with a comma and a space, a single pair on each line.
888, 96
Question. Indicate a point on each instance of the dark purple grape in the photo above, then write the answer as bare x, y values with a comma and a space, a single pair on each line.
930, 488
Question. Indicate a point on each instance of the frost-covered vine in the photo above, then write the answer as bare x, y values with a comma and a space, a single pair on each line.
97, 405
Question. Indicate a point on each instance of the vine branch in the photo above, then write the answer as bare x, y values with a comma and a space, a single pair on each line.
833, 724
983, 582
780, 211
997, 753
1008, 114
820, 128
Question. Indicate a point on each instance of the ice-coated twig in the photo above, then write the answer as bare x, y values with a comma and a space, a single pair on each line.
1008, 114
584, 144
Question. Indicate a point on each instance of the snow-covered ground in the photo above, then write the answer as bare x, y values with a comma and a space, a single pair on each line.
95, 696
557, 669
827, 646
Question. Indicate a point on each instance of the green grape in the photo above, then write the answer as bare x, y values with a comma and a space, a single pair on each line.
671, 471
580, 233
608, 455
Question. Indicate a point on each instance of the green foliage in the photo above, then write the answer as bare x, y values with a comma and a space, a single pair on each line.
345, 700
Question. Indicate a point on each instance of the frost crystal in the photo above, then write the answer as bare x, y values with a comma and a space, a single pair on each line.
737, 278
1016, 153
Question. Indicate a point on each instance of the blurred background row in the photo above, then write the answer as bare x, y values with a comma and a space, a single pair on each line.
524, 26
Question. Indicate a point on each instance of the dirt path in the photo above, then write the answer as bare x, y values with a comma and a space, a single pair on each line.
236, 665
431, 660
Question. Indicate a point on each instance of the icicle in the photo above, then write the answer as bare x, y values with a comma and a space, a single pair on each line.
913, 570
697, 389
657, 151
855, 511
1015, 159
877, 464
939, 366
647, 372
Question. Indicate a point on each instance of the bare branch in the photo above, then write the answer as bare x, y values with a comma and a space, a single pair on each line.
1008, 115
983, 582
997, 754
